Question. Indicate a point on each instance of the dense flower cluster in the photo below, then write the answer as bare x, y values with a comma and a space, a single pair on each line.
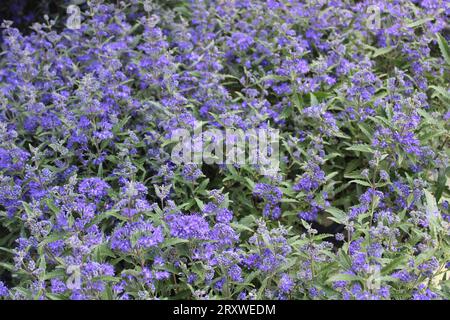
92, 206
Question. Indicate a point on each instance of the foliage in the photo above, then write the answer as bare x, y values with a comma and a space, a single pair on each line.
92, 207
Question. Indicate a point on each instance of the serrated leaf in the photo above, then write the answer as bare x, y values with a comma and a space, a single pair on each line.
361, 182
443, 46
382, 51
361, 148
338, 214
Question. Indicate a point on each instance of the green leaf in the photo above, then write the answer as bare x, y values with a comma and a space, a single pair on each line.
361, 148
418, 23
338, 214
361, 182
173, 241
6, 250
250, 183
344, 277
441, 91
7, 266
431, 205
200, 203
52, 296
443, 46
382, 51
442, 179
52, 206
296, 101
274, 77
115, 214
393, 265
241, 227
432, 213
366, 130
314, 100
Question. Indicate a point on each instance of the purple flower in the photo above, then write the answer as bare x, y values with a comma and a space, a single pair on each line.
4, 292
224, 215
268, 192
286, 283
93, 187
136, 235
235, 273
191, 172
188, 226
58, 286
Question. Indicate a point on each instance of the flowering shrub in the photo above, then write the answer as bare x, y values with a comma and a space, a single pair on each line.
92, 206
23, 12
